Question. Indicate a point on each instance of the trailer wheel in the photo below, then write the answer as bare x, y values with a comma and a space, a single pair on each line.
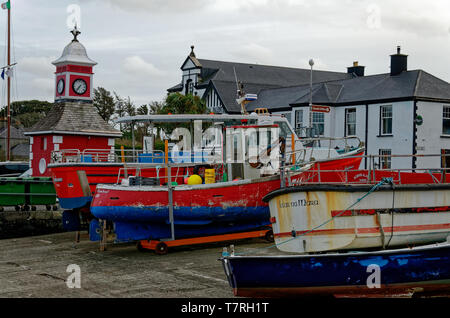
55, 207
161, 248
140, 248
2, 209
269, 236
33, 208
48, 207
17, 208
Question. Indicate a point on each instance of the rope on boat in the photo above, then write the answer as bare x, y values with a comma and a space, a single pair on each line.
295, 236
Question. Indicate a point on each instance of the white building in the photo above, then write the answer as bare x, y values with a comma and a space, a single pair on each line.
398, 113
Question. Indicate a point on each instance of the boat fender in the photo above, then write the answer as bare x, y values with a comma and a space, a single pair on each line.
293, 233
195, 179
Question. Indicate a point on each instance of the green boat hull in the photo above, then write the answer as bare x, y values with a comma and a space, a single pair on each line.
27, 191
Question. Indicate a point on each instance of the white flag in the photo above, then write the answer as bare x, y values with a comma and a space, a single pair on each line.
9, 72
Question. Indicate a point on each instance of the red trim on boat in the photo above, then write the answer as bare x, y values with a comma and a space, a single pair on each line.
387, 229
339, 213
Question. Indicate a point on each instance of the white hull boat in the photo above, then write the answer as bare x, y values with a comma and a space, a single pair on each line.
330, 217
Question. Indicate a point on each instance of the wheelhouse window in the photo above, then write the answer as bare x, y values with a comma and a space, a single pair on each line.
299, 122
446, 120
386, 120
385, 158
350, 122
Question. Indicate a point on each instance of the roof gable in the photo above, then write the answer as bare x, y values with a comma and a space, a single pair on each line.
190, 62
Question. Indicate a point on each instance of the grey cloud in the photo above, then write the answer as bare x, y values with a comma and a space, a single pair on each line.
155, 6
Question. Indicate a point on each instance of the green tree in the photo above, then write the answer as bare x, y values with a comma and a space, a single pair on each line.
104, 102
27, 112
177, 103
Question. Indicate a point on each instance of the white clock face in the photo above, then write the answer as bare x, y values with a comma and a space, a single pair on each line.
79, 86
60, 87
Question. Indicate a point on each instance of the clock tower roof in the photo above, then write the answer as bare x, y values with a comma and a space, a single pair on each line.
74, 52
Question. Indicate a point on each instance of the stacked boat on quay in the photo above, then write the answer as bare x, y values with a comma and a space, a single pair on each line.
154, 202
379, 233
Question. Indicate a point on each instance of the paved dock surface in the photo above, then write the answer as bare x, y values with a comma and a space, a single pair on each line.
37, 267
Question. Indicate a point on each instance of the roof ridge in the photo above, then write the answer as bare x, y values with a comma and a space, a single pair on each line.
416, 85
266, 65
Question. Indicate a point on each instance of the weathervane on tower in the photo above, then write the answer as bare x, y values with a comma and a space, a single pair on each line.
75, 33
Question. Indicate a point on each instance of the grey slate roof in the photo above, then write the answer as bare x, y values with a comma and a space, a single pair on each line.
15, 133
74, 117
415, 84
221, 76
263, 74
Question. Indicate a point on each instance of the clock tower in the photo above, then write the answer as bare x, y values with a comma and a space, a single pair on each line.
73, 122
73, 76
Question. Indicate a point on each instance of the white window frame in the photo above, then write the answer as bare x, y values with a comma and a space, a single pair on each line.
348, 123
384, 117
385, 162
445, 117
319, 122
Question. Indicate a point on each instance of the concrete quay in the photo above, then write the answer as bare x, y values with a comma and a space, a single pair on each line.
39, 266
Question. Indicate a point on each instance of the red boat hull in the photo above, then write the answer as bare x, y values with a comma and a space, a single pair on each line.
69, 183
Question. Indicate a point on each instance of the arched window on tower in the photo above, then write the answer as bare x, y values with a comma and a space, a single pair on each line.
189, 89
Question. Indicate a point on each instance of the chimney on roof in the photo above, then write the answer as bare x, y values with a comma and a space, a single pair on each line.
399, 62
357, 70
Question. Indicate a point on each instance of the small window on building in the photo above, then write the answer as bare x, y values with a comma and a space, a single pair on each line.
189, 87
44, 143
385, 158
445, 158
386, 120
350, 122
446, 120
318, 124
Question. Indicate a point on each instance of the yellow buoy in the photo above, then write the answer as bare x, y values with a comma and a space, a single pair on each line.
195, 179
210, 175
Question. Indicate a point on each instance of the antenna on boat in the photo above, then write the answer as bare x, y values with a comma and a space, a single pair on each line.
241, 97
239, 92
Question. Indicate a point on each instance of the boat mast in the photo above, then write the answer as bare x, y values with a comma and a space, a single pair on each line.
9, 85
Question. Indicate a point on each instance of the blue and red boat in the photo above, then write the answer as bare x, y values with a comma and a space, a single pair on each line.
402, 272
155, 212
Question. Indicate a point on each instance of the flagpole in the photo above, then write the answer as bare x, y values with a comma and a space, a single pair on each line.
8, 155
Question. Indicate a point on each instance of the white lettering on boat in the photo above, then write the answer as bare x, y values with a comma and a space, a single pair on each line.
299, 202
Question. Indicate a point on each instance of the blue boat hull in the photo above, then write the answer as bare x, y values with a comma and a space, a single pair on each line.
193, 215
383, 273
136, 231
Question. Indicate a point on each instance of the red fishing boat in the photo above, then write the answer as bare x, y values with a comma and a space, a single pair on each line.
79, 177
155, 212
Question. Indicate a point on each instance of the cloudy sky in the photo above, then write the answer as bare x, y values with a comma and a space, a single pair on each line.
139, 45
